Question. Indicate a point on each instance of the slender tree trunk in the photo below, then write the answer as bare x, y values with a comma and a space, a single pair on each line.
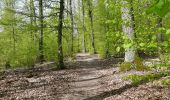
132, 17
31, 18
60, 27
8, 4
72, 27
159, 36
92, 28
41, 22
107, 52
79, 16
31, 33
128, 30
14, 39
67, 6
33, 12
83, 39
34, 18
78, 39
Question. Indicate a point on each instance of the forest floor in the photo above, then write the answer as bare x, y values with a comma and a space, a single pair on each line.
86, 78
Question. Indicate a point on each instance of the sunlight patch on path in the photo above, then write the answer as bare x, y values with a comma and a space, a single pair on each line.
87, 57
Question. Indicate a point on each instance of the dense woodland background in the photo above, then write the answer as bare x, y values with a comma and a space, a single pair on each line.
35, 31
84, 49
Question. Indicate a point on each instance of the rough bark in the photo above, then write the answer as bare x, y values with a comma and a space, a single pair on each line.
60, 27
41, 25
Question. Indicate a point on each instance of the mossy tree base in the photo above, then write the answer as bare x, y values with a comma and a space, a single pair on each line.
137, 64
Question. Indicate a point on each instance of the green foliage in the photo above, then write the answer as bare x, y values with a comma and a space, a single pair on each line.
19, 40
139, 66
168, 31
163, 65
161, 7
166, 82
125, 66
138, 79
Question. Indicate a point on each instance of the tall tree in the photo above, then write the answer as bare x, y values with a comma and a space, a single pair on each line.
159, 35
90, 10
79, 17
9, 24
132, 17
33, 13
128, 30
41, 31
83, 39
33, 20
72, 27
60, 32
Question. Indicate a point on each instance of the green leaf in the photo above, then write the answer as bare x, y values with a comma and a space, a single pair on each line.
161, 7
168, 31
154, 37
142, 44
126, 46
152, 45
118, 49
165, 44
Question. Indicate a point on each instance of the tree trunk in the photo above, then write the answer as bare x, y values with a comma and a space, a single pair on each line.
67, 7
83, 39
33, 12
128, 30
10, 17
31, 6
60, 27
72, 27
132, 17
79, 16
107, 44
159, 36
14, 39
92, 28
41, 22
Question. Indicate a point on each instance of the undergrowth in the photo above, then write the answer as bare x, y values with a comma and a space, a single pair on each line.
137, 64
138, 79
166, 82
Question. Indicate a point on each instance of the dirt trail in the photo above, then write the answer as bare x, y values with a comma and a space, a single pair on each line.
88, 78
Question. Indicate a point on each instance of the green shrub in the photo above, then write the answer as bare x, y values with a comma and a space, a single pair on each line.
125, 66
139, 66
137, 79
166, 82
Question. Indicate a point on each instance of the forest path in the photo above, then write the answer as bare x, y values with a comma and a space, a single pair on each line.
92, 76
87, 78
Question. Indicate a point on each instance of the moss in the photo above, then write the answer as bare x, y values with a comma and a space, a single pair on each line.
137, 64
125, 66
